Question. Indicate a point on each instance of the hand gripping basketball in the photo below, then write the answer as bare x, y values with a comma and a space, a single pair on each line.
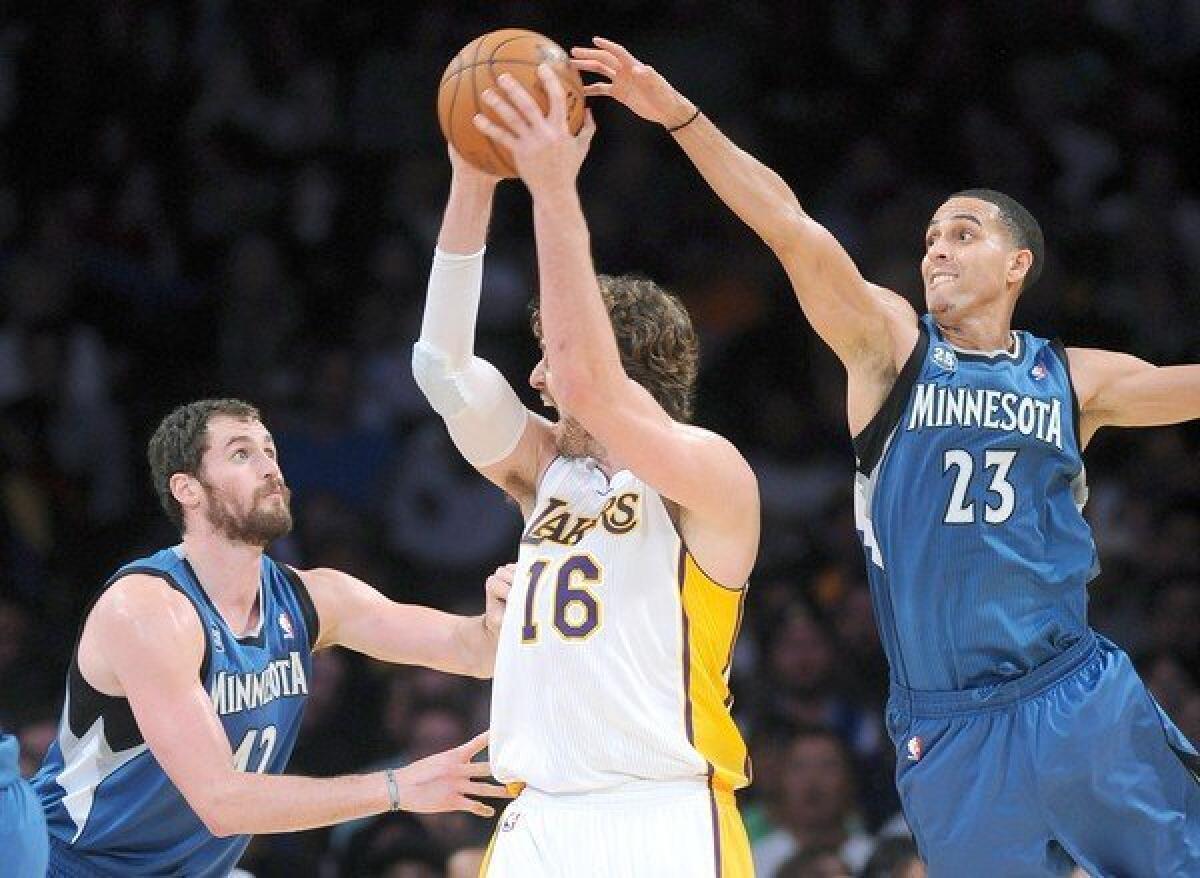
543, 148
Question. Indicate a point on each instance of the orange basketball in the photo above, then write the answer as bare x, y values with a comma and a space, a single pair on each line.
474, 70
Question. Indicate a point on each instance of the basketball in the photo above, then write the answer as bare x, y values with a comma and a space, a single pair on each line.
474, 70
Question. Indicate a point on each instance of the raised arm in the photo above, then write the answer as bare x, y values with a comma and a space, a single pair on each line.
700, 471
486, 420
851, 315
143, 642
354, 615
1119, 390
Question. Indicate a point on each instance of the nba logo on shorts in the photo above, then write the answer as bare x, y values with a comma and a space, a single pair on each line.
915, 748
509, 823
286, 624
944, 357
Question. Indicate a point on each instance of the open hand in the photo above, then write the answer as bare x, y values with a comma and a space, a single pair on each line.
446, 781
544, 150
636, 85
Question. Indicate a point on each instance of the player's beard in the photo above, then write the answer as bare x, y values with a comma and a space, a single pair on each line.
267, 520
573, 441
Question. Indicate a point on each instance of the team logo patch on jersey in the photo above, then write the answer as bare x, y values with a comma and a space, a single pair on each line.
509, 823
285, 623
217, 643
944, 357
915, 748
1039, 370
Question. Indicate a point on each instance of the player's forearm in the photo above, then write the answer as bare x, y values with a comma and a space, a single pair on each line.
476, 646
580, 348
249, 803
468, 211
410, 634
758, 195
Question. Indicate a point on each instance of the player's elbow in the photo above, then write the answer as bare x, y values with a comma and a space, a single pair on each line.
220, 827
218, 823
793, 231
217, 809
436, 378
785, 226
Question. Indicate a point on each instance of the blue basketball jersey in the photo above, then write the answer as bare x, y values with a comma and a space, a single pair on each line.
968, 500
110, 808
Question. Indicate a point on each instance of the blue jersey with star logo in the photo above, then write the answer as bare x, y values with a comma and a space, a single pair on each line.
969, 494
110, 808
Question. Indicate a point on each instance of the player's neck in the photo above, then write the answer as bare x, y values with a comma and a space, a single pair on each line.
577, 444
984, 333
228, 572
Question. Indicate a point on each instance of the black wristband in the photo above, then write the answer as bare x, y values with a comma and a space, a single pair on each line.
690, 120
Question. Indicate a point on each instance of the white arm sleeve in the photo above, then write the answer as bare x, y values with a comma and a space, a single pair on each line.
481, 410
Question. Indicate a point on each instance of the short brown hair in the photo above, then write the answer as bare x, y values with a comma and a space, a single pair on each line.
655, 337
179, 443
1023, 228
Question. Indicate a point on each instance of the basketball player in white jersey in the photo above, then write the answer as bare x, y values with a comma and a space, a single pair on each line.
610, 707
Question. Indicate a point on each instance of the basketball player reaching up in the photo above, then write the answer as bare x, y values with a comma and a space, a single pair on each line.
1024, 739
610, 704
192, 667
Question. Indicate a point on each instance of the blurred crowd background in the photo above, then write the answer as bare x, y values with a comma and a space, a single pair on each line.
241, 198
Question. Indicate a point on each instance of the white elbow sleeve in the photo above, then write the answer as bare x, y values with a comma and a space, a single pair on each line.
482, 412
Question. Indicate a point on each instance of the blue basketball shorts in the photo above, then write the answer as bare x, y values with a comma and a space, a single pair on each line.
1074, 761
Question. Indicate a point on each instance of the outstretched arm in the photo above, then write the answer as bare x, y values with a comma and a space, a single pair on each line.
354, 615
1119, 390
143, 642
486, 420
700, 471
853, 316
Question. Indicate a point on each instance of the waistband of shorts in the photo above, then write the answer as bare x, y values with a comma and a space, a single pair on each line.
627, 793
951, 703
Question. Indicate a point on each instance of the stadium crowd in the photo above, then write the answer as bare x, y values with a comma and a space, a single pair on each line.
215, 198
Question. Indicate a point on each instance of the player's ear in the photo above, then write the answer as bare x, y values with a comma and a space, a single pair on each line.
1020, 262
185, 489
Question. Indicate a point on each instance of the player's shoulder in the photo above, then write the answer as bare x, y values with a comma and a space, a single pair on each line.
889, 353
140, 625
322, 579
144, 600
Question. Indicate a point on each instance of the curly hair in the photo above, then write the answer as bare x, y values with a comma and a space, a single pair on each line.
179, 443
655, 337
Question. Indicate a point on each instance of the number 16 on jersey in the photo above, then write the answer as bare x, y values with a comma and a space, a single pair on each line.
576, 608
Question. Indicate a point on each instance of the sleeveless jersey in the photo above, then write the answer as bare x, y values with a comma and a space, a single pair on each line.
968, 495
109, 805
615, 649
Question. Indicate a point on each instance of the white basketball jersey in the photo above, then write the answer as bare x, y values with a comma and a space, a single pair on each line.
614, 653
